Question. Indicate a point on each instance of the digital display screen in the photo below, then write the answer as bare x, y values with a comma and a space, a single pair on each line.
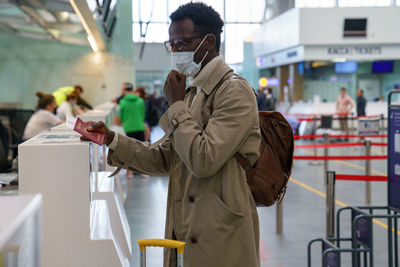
355, 25
382, 67
346, 67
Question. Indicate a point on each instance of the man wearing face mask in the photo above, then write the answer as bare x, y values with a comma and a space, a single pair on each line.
209, 120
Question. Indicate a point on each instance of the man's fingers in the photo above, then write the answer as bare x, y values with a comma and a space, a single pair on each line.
83, 138
95, 126
181, 77
173, 73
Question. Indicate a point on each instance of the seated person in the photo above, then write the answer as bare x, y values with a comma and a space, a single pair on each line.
43, 119
61, 95
69, 107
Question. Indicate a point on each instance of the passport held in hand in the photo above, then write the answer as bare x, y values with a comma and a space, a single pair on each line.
81, 127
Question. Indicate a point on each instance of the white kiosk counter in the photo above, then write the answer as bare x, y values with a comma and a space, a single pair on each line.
106, 113
84, 222
20, 230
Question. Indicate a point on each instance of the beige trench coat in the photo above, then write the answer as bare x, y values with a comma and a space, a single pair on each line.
210, 206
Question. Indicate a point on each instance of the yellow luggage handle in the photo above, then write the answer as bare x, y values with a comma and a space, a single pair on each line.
179, 245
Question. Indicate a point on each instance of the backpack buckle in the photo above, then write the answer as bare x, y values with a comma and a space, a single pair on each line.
281, 195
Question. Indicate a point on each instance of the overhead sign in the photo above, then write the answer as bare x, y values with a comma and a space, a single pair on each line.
354, 50
271, 82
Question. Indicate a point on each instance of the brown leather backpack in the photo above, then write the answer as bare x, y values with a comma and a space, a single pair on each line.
269, 176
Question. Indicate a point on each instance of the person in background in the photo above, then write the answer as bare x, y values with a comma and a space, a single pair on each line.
4, 142
344, 104
123, 92
163, 105
61, 95
81, 102
43, 119
270, 100
261, 100
141, 92
69, 107
361, 103
132, 114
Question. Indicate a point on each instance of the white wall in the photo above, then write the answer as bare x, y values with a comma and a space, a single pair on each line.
278, 34
324, 26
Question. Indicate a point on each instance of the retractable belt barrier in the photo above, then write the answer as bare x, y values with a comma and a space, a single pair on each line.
297, 137
338, 145
311, 117
372, 178
367, 158
339, 157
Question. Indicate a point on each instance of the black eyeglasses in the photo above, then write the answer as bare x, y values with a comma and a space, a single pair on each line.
179, 43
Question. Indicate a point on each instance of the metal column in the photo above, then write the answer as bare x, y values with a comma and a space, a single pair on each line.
279, 218
330, 204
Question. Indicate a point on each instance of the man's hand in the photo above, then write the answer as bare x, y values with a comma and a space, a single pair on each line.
100, 127
175, 87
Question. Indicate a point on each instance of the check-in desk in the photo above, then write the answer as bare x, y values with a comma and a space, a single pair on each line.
84, 222
20, 230
106, 113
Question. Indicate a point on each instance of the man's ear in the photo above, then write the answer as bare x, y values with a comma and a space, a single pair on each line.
211, 42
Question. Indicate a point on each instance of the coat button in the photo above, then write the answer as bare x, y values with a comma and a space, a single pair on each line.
191, 199
193, 240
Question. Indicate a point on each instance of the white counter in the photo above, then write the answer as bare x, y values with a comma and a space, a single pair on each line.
20, 230
77, 222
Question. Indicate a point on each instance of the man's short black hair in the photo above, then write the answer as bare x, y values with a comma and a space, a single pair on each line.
128, 87
205, 19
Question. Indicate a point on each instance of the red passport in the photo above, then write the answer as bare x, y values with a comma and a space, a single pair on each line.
81, 127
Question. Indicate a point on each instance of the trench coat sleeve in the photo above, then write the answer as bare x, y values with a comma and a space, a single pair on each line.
141, 157
205, 151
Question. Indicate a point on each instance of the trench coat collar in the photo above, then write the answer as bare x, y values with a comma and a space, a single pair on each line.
216, 76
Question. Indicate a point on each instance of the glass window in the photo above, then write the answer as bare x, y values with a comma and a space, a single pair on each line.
244, 11
242, 18
358, 3
156, 32
235, 34
315, 3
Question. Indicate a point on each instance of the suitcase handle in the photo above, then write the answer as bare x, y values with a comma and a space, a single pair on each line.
166, 243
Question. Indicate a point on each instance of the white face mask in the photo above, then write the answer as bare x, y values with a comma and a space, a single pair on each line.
183, 62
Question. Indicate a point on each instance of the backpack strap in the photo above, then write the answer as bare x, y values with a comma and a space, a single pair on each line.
243, 161
240, 159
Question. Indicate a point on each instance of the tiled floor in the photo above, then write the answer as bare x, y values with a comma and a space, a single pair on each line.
303, 211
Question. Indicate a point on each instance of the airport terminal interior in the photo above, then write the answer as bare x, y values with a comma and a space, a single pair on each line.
331, 68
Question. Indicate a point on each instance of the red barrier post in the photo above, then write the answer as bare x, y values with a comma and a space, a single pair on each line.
368, 172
